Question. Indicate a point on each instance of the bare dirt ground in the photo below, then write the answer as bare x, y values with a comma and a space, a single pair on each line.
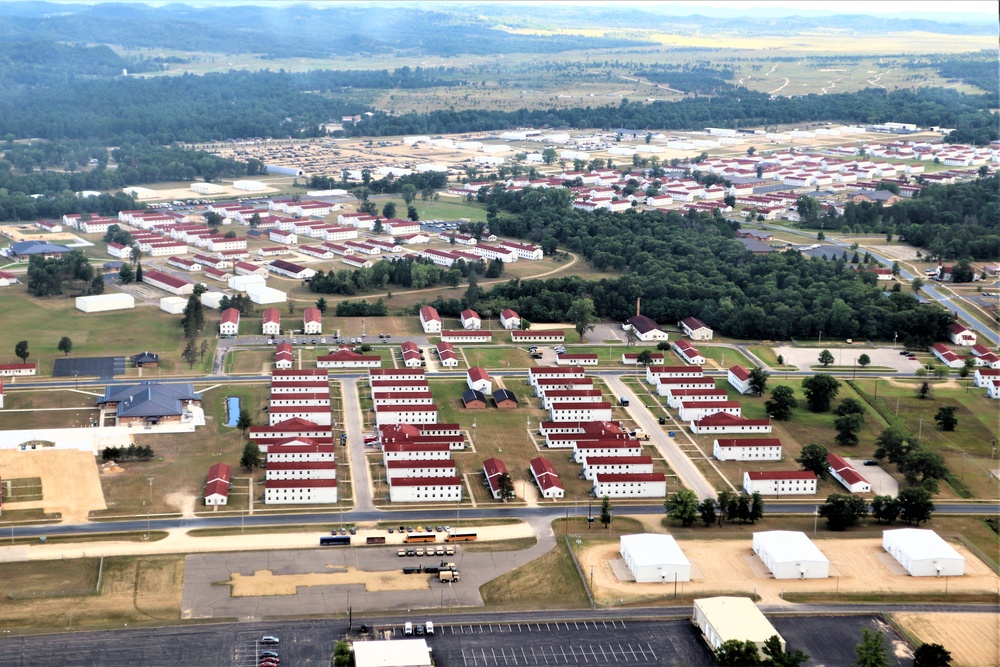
973, 639
856, 565
264, 582
71, 484
185, 502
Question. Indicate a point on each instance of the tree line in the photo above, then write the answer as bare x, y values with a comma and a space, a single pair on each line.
684, 265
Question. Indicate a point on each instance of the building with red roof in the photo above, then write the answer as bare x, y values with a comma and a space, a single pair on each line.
493, 470
547, 479
845, 473
780, 482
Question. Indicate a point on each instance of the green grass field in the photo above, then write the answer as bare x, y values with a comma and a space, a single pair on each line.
550, 582
497, 357
42, 322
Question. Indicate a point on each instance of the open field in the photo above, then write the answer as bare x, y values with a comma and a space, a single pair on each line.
264, 582
972, 639
63, 594
69, 481
114, 333
51, 408
496, 357
549, 582
449, 210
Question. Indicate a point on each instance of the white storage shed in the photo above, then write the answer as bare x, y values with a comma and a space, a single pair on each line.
211, 299
790, 555
174, 305
923, 552
262, 294
241, 283
723, 618
99, 303
653, 558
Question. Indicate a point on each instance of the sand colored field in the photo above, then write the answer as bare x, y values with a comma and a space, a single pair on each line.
71, 484
264, 582
973, 639
856, 565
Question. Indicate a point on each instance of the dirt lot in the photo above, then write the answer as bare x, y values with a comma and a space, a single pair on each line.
264, 582
807, 357
856, 565
70, 481
973, 639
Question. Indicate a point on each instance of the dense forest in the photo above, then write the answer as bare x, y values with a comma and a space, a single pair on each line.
691, 265
701, 79
979, 70
950, 221
968, 114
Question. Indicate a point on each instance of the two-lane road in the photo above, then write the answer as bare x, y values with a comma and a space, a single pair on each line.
679, 462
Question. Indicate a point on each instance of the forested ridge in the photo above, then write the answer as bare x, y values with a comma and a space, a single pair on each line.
691, 265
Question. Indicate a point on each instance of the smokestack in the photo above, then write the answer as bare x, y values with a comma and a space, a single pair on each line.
637, 305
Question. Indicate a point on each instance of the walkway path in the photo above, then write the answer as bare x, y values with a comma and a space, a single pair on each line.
361, 480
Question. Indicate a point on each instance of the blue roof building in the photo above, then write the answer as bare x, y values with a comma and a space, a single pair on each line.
25, 249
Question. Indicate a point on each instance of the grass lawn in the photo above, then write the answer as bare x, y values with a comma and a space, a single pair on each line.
549, 582
48, 408
497, 357
42, 322
767, 355
447, 210
611, 355
967, 449
724, 357
182, 459
252, 362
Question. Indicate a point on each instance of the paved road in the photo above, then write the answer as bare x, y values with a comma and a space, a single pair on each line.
361, 480
678, 460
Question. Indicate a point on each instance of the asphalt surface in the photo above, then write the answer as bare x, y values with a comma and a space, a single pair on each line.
828, 633
361, 482
105, 368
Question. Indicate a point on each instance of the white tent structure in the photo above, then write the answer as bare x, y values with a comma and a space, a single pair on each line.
395, 653
263, 295
790, 555
723, 618
923, 553
99, 303
653, 558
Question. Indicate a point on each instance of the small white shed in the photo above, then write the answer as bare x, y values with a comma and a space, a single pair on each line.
923, 552
654, 558
174, 305
212, 299
790, 555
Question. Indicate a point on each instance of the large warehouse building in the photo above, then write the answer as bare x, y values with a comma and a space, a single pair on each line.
654, 558
723, 618
923, 553
99, 303
790, 555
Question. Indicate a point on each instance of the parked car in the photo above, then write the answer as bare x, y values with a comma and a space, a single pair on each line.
871, 462
268, 639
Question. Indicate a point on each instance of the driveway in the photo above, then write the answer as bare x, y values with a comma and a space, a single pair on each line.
678, 461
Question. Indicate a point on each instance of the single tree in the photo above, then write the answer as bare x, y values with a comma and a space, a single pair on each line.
21, 350
581, 314
871, 651
96, 285
737, 653
813, 458
843, 511
505, 486
138, 272
885, 508
756, 506
409, 193
931, 655
321, 305
917, 284
825, 358
682, 505
775, 656
781, 403
126, 275
848, 427
849, 406
251, 456
190, 353
780, 360
864, 360
606, 511
945, 417
924, 391
706, 509
65, 345
967, 367
758, 380
893, 445
412, 213
255, 220
921, 464
915, 505
213, 219
820, 390
203, 349
389, 210
244, 422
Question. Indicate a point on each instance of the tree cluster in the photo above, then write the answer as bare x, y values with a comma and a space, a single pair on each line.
46, 277
919, 465
131, 453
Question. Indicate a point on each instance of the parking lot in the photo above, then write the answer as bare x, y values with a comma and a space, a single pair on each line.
104, 368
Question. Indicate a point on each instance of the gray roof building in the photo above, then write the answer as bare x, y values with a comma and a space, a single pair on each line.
149, 400
43, 248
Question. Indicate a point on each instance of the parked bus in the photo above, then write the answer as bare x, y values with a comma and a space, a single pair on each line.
421, 537
375, 540
461, 536
335, 540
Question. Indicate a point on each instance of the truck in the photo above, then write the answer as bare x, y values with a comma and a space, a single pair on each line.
375, 539
639, 434
461, 536
622, 401
449, 576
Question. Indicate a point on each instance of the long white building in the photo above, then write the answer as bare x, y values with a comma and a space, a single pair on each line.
425, 489
299, 491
